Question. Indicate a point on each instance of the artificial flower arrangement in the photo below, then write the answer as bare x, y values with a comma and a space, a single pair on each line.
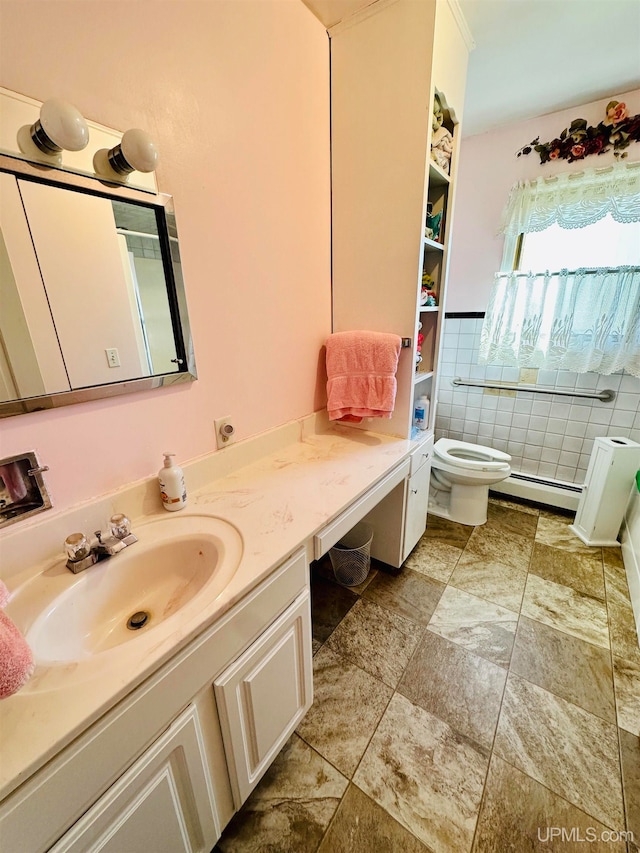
579, 140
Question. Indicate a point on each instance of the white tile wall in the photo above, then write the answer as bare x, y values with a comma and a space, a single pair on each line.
550, 437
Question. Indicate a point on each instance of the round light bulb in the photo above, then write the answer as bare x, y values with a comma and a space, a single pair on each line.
139, 150
64, 125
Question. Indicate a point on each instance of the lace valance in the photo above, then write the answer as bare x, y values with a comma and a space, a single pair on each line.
574, 199
583, 321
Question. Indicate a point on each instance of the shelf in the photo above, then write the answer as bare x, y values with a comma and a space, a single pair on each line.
437, 176
432, 245
418, 377
428, 309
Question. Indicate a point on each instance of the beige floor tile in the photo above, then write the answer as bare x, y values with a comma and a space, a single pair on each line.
362, 826
511, 521
329, 604
495, 582
617, 588
630, 753
347, 706
626, 677
409, 593
554, 530
495, 499
519, 815
447, 532
566, 666
563, 747
377, 640
501, 547
567, 610
622, 628
433, 558
428, 777
291, 807
458, 687
478, 625
582, 572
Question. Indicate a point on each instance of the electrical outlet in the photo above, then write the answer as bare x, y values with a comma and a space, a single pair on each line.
113, 357
225, 432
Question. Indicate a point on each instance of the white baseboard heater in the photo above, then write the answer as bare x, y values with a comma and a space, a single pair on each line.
540, 490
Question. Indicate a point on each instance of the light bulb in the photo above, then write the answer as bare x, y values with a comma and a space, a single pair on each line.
60, 126
136, 152
139, 150
63, 125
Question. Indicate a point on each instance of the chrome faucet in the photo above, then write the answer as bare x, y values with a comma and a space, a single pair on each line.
81, 555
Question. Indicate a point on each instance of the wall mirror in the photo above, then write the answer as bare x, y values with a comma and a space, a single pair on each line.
92, 300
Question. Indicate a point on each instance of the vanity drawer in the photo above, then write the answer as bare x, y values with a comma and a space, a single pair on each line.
421, 455
328, 537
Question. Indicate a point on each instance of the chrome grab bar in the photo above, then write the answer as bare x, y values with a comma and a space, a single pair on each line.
605, 396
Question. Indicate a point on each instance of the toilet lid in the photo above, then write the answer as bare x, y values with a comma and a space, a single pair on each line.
473, 457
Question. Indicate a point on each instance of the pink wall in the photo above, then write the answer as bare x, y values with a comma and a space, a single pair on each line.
488, 169
237, 96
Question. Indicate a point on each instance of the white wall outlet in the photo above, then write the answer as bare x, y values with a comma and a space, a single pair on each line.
113, 357
225, 432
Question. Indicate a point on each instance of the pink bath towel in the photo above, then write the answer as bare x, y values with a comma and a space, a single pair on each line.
361, 375
16, 660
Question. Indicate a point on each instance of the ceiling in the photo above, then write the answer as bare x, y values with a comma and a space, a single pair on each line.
536, 56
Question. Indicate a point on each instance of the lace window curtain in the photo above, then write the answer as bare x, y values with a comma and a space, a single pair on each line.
574, 199
586, 320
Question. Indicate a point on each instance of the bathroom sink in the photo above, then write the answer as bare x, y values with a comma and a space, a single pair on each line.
179, 564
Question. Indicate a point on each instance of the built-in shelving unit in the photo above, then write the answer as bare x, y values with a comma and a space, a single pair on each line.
386, 66
438, 202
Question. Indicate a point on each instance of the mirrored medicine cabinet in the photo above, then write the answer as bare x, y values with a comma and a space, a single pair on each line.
92, 300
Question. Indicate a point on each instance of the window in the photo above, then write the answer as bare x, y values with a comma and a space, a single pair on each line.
575, 305
605, 243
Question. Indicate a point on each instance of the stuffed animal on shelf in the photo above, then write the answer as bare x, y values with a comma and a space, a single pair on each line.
442, 148
432, 229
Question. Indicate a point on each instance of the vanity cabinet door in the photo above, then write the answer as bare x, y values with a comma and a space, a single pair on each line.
416, 507
163, 803
262, 697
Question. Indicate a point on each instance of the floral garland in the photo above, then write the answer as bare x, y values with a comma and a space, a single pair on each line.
579, 140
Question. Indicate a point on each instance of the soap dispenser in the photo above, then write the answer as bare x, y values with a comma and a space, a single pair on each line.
172, 488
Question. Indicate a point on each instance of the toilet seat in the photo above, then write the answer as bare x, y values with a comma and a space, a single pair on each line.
470, 457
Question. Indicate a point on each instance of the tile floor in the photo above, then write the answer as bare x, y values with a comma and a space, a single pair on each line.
482, 698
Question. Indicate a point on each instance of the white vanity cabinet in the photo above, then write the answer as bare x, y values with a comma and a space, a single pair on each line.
400, 519
164, 802
417, 499
153, 774
263, 696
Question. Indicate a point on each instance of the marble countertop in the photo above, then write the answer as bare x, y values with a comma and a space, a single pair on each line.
277, 503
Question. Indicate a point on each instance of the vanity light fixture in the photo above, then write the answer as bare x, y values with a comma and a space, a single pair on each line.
136, 152
60, 127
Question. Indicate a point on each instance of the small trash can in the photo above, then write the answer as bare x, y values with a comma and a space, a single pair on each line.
351, 556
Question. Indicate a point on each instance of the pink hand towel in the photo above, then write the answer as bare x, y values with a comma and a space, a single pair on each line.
361, 374
16, 660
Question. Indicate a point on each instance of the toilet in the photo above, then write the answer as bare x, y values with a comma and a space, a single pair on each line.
461, 474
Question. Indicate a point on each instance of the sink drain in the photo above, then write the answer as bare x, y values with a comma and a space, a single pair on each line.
138, 620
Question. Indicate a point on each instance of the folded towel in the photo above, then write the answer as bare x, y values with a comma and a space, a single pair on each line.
361, 374
16, 660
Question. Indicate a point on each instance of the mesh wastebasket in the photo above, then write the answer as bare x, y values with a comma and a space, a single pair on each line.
351, 556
